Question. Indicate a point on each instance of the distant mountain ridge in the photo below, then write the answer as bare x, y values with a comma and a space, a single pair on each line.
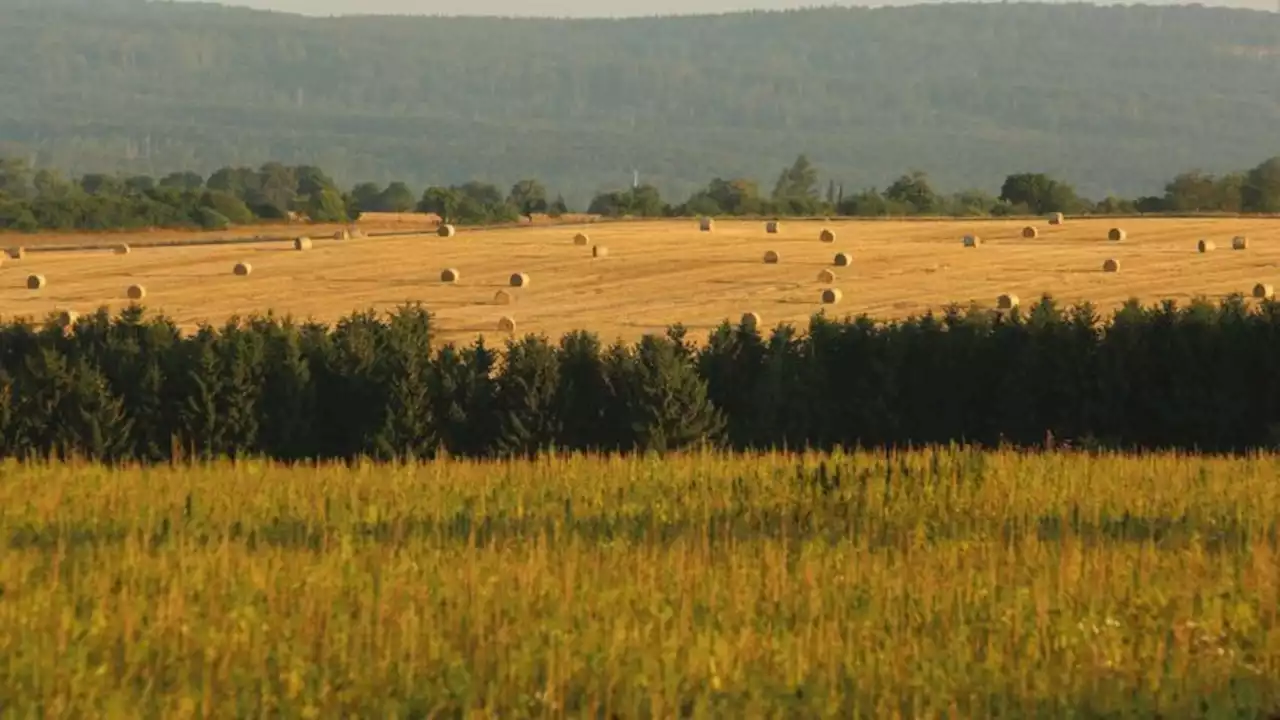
1113, 99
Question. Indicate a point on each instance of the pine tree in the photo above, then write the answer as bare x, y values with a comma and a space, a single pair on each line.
461, 395
199, 427
667, 400
780, 399
408, 429
351, 387
288, 395
133, 354
241, 360
731, 364
65, 409
583, 397
525, 398
97, 426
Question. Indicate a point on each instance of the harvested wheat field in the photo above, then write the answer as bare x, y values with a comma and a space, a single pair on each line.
658, 273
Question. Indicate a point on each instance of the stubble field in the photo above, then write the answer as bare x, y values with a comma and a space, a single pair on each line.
929, 584
656, 273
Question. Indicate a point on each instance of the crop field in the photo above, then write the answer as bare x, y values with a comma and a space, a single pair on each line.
656, 273
948, 583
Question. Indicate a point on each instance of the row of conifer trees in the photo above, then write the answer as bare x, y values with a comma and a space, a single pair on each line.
133, 388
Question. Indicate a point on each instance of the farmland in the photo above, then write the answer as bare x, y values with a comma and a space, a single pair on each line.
657, 273
950, 581
930, 583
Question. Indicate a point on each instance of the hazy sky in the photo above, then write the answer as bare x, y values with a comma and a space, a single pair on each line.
594, 8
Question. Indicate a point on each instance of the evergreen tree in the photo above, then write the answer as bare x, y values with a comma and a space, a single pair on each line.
98, 426
351, 383
288, 395
408, 429
584, 401
134, 354
241, 361
782, 394
199, 427
525, 401
666, 400
462, 399
731, 364
64, 408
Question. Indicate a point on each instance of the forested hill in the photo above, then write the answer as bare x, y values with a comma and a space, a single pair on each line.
1114, 99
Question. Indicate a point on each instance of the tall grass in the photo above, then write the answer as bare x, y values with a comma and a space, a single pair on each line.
930, 583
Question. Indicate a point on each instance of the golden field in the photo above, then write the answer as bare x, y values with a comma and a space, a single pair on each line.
942, 583
656, 274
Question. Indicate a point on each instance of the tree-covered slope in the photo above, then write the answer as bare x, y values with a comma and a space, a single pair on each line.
1112, 99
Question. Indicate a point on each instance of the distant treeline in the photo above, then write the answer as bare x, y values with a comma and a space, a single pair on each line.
1202, 377
42, 200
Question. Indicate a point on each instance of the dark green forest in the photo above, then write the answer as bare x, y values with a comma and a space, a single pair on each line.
1112, 100
131, 387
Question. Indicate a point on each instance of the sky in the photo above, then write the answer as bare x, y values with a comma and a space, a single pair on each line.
596, 8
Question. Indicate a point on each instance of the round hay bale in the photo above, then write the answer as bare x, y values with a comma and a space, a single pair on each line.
356, 233
827, 276
1111, 265
243, 269
507, 324
446, 231
1030, 232
831, 296
1264, 291
772, 227
342, 235
17, 253
136, 292
581, 239
706, 224
519, 280
1239, 242
122, 249
302, 243
826, 236
1205, 246
1006, 302
771, 257
1056, 218
449, 275
599, 251
502, 297
842, 260
750, 321
1116, 235
36, 282
972, 241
